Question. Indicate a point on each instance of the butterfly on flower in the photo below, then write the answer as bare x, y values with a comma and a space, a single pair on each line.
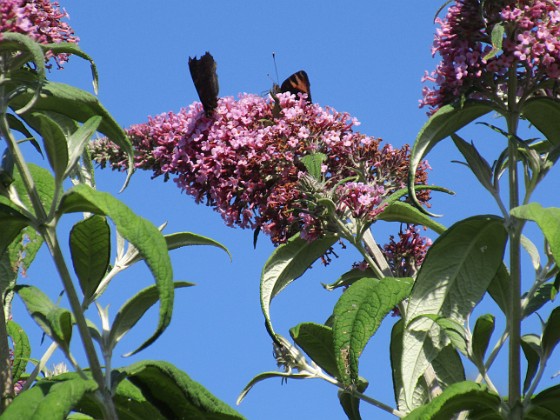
296, 83
205, 79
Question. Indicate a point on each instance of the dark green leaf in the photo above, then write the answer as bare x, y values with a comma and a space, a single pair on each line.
548, 220
139, 232
399, 211
133, 310
541, 296
181, 239
551, 333
54, 141
317, 341
90, 247
500, 289
545, 405
448, 367
351, 404
358, 313
446, 121
44, 184
21, 347
49, 400
478, 165
459, 397
56, 322
80, 106
483, 330
531, 345
349, 278
544, 114
175, 394
78, 141
458, 269
288, 262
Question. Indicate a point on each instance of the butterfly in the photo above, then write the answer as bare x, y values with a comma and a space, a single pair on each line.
205, 79
297, 83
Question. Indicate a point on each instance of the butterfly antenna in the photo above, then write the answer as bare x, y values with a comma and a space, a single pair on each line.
275, 66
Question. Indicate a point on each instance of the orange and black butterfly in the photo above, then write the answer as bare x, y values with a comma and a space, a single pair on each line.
205, 78
296, 83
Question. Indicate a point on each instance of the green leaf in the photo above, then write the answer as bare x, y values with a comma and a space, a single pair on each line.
90, 247
266, 375
545, 405
44, 184
533, 252
49, 399
477, 164
133, 310
541, 297
544, 114
139, 232
446, 121
548, 220
313, 164
351, 404
349, 278
453, 330
80, 106
458, 269
56, 322
531, 345
399, 211
551, 333
500, 289
459, 397
78, 141
448, 367
483, 330
497, 39
175, 394
358, 313
181, 239
317, 341
11, 224
32, 52
22, 349
288, 262
54, 141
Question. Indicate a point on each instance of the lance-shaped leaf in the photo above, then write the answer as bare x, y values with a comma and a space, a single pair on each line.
544, 114
351, 404
139, 232
133, 310
477, 164
541, 297
11, 224
548, 220
175, 394
44, 185
446, 121
56, 322
22, 349
54, 141
90, 247
500, 290
459, 397
482, 332
545, 405
80, 106
317, 341
349, 278
181, 239
531, 345
49, 399
267, 375
313, 164
399, 211
551, 333
452, 329
358, 313
458, 269
288, 262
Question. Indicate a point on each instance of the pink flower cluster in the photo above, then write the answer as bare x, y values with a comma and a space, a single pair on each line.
245, 161
41, 20
531, 47
406, 255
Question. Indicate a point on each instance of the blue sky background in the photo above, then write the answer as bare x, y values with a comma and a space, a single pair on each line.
366, 58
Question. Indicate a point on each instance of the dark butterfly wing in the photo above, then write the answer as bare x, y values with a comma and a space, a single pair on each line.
205, 78
297, 83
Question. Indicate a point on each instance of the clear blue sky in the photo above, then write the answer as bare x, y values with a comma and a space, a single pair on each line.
365, 58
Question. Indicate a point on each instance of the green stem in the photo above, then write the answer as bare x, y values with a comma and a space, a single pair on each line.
6, 383
514, 228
